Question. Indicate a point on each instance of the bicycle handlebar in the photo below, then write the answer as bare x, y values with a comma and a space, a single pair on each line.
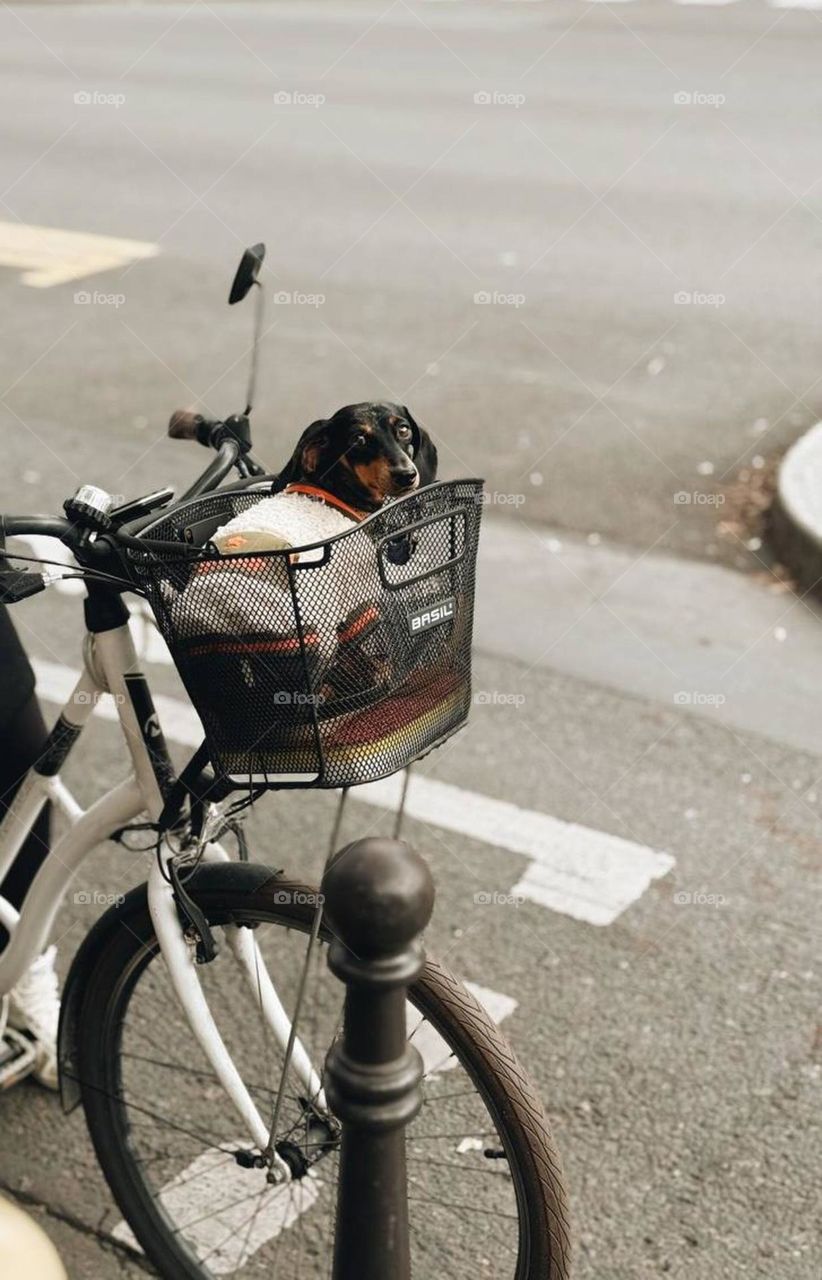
213, 433
101, 559
231, 440
71, 535
227, 455
45, 526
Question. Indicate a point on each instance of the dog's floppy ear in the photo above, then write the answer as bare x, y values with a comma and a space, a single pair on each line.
305, 459
425, 451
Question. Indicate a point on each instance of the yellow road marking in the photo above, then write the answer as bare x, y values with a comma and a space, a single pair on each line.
47, 256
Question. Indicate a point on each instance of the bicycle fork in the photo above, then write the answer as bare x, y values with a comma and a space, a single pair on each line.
112, 663
182, 969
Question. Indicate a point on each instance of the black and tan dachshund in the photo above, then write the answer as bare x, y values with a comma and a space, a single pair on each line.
363, 454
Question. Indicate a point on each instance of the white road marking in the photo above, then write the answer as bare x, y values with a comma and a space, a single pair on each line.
229, 1219
589, 875
586, 874
48, 255
436, 1056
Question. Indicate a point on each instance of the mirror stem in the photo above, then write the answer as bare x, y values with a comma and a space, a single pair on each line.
259, 314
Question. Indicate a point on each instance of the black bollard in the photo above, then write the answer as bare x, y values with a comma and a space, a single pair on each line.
378, 899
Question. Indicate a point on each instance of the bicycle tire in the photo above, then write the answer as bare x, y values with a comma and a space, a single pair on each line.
222, 891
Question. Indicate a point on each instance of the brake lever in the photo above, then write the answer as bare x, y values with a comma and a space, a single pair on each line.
19, 584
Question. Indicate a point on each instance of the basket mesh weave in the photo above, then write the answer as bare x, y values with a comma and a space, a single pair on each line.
333, 666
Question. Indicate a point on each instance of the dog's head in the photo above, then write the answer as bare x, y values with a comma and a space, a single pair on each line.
364, 454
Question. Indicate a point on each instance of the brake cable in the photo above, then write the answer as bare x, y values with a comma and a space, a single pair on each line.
80, 574
271, 1149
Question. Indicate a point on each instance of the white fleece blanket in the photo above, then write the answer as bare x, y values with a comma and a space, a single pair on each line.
282, 521
240, 599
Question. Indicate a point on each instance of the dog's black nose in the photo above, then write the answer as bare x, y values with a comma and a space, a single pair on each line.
404, 477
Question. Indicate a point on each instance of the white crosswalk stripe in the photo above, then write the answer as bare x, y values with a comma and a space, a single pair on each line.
212, 1194
590, 875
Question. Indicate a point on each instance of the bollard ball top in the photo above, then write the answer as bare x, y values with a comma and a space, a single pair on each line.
379, 895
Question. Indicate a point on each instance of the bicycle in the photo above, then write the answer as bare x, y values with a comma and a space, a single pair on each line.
215, 1137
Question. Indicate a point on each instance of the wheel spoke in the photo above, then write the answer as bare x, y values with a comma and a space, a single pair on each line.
170, 1119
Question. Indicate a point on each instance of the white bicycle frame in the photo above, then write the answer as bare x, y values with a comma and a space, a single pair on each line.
108, 657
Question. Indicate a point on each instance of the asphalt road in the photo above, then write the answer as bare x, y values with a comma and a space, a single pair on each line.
583, 196
677, 1048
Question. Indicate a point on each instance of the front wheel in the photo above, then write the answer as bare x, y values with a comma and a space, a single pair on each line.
485, 1192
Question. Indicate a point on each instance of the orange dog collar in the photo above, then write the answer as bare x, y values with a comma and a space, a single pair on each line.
330, 499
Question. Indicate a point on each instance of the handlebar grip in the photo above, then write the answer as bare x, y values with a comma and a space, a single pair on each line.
185, 424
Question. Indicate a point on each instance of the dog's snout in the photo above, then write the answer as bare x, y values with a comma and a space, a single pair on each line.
404, 477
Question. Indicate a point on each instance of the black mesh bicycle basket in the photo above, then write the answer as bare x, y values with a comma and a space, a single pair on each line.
327, 665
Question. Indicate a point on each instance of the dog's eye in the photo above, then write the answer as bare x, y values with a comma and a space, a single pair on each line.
359, 439
404, 432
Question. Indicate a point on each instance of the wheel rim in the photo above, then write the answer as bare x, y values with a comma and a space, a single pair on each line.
466, 1206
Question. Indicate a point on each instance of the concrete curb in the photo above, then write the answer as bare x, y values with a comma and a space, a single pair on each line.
796, 516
